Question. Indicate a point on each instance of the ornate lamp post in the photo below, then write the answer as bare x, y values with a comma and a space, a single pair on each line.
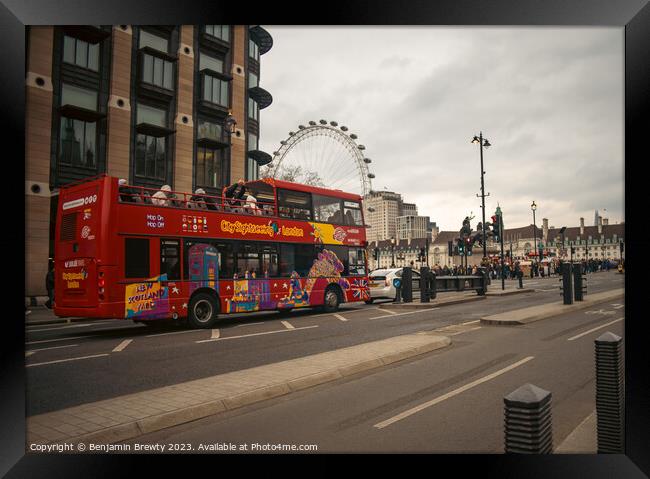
230, 123
533, 207
482, 143
392, 249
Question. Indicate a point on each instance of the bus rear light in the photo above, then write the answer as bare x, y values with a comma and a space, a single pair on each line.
386, 282
101, 283
101, 290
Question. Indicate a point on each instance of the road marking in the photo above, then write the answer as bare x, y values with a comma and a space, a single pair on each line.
389, 311
402, 314
450, 394
338, 316
66, 360
287, 324
247, 324
215, 333
600, 311
173, 332
256, 334
59, 339
122, 345
618, 306
594, 329
552, 289
471, 322
59, 328
32, 351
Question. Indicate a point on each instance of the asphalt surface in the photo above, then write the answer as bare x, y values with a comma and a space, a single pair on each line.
448, 401
72, 364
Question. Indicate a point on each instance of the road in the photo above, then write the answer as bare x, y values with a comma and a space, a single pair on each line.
72, 364
448, 401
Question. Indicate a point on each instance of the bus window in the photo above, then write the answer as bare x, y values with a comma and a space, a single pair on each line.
294, 204
352, 213
287, 259
357, 261
327, 209
136, 258
269, 256
248, 260
170, 259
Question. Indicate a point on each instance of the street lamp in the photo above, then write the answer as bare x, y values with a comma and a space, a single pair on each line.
482, 143
534, 207
230, 123
392, 249
562, 230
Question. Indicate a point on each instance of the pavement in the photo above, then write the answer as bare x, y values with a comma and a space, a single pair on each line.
129, 416
544, 311
583, 439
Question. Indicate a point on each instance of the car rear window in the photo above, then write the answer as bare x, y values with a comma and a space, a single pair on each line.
377, 277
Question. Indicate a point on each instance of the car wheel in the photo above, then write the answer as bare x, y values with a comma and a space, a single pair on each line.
203, 311
331, 301
369, 301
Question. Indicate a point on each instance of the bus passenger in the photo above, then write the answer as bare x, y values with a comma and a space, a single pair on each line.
198, 201
127, 195
235, 193
251, 204
160, 198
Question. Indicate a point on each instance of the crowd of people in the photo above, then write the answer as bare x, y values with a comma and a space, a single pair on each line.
237, 198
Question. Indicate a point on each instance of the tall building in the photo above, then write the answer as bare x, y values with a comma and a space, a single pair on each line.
144, 103
412, 227
409, 209
381, 211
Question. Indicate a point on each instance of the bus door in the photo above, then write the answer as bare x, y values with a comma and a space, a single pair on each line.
203, 263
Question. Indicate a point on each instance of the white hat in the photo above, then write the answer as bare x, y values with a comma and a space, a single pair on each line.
200, 191
121, 181
166, 188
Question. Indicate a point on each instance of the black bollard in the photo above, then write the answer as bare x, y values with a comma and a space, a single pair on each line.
578, 289
521, 279
407, 284
528, 428
566, 289
424, 284
610, 401
433, 285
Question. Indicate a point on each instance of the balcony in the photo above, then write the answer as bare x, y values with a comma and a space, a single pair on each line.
261, 37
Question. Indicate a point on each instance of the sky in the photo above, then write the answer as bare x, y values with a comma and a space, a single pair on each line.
549, 100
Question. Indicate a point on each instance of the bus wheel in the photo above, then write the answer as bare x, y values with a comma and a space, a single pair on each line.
331, 301
202, 311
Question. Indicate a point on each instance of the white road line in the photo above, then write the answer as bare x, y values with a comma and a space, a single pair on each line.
471, 322
618, 306
122, 345
32, 351
54, 340
594, 329
388, 311
173, 332
215, 333
247, 324
66, 360
552, 289
402, 314
464, 331
59, 328
287, 325
450, 394
256, 334
338, 316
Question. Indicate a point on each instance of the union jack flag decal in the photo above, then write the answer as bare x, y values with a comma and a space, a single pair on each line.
359, 289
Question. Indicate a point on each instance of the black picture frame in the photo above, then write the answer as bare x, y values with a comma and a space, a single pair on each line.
632, 15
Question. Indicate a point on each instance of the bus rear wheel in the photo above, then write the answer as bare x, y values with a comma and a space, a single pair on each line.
203, 311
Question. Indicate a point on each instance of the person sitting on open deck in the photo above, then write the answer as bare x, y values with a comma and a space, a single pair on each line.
127, 195
198, 201
235, 194
161, 197
250, 205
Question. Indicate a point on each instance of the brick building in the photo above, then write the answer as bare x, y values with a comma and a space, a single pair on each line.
144, 103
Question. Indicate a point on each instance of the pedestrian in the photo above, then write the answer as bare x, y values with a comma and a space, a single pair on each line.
162, 197
49, 285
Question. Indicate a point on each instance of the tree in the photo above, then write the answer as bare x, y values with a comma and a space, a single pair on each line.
295, 174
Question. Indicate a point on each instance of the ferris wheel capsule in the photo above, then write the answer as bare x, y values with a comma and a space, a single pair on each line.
353, 136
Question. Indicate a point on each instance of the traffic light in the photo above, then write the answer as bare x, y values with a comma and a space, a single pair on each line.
621, 246
461, 247
496, 228
423, 254
375, 254
450, 248
469, 246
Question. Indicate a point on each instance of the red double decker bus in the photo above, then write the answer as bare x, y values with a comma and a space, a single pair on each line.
121, 252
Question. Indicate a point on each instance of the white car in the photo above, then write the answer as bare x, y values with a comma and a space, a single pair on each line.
381, 283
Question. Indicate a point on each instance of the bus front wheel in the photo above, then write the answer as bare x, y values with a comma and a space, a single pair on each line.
203, 311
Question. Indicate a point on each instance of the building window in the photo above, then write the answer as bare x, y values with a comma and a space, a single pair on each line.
222, 32
157, 72
215, 90
78, 143
209, 167
253, 50
150, 157
153, 41
151, 116
210, 63
210, 130
80, 53
253, 80
72, 95
252, 169
252, 142
253, 110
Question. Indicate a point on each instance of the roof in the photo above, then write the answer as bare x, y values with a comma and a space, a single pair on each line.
572, 233
512, 234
